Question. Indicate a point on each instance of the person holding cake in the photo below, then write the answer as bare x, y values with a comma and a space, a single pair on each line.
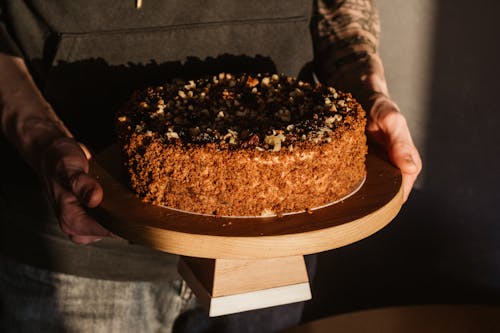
67, 66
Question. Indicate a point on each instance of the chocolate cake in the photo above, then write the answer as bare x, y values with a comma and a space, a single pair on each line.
246, 145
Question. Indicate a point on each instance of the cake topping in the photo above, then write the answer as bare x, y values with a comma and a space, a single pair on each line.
264, 112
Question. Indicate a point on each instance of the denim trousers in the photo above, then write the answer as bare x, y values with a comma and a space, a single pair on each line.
36, 300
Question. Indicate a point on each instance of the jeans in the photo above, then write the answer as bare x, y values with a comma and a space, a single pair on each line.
35, 300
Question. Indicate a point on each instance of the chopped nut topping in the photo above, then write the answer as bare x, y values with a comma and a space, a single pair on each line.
194, 131
172, 135
253, 140
275, 141
265, 112
227, 95
190, 86
252, 82
329, 121
284, 115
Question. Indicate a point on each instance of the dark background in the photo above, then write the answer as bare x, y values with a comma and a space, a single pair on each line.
441, 59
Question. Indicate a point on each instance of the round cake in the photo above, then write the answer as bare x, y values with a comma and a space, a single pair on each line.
245, 145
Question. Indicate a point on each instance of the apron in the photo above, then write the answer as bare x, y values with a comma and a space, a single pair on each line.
88, 56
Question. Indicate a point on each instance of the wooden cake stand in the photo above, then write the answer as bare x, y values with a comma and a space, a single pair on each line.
239, 264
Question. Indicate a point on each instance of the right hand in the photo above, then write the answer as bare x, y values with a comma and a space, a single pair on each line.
387, 127
64, 169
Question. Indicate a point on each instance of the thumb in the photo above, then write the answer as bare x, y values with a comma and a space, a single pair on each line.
394, 135
401, 154
87, 189
405, 156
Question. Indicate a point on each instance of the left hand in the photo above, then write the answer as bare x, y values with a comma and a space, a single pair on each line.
387, 127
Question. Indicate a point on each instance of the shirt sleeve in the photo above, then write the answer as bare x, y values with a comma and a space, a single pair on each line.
345, 37
7, 44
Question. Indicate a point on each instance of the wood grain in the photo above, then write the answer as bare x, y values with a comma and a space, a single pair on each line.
357, 217
222, 277
234, 276
225, 286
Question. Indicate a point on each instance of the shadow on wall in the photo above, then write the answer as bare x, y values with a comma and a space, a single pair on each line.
444, 247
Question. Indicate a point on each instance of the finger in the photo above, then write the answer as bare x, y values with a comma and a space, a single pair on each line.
68, 156
389, 128
71, 166
408, 182
405, 156
87, 189
75, 221
72, 170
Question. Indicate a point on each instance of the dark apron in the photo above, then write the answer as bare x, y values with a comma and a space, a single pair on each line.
94, 72
90, 62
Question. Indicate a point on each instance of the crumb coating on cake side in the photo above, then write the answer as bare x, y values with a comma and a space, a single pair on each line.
242, 145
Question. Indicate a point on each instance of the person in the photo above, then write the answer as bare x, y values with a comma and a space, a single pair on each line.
66, 65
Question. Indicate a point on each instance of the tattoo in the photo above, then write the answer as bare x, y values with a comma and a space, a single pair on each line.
344, 31
353, 58
345, 35
349, 45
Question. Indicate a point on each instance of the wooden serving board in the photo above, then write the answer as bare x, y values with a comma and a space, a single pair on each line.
367, 211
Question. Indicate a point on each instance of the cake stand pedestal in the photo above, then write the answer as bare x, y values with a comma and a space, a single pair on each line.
227, 286
239, 264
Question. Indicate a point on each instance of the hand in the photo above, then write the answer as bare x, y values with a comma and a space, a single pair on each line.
64, 170
32, 126
387, 127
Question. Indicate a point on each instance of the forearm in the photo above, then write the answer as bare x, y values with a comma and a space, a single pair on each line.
346, 39
27, 120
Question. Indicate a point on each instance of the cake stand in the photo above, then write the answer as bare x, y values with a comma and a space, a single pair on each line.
239, 264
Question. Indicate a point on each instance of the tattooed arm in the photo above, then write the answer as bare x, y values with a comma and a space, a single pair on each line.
345, 35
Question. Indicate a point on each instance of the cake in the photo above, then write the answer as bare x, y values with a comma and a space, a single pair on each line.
242, 145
